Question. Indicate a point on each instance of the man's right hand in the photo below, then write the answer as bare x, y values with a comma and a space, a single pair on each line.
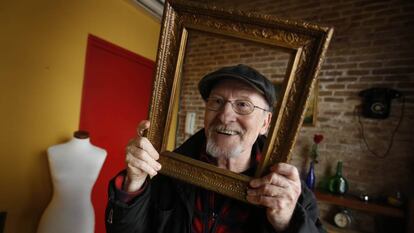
141, 159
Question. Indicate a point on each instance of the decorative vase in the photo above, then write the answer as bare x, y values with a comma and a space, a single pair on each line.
338, 184
311, 178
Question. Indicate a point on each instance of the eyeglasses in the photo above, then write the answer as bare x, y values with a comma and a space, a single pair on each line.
242, 107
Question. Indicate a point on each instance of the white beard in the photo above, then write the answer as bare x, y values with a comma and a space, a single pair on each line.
227, 153
214, 150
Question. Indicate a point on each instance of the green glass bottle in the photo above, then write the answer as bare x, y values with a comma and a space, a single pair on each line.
338, 184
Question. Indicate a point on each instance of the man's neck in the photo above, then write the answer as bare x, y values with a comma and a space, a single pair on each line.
237, 164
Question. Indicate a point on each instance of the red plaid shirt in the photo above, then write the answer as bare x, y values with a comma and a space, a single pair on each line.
215, 213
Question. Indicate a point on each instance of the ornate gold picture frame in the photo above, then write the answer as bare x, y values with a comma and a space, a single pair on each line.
311, 111
183, 22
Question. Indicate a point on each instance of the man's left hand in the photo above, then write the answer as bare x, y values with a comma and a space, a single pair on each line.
278, 192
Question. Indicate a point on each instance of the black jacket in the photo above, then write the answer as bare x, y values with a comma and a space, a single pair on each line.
167, 206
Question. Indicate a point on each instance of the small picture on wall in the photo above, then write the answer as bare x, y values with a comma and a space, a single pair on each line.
312, 108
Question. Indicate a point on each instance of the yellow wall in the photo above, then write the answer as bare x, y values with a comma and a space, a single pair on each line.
43, 46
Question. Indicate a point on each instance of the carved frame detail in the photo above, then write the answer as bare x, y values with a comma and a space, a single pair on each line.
308, 44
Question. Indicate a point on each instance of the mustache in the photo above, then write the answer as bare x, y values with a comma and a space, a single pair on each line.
226, 129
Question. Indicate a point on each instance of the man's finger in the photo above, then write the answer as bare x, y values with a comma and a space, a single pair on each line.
147, 159
142, 127
272, 178
140, 164
267, 190
269, 202
286, 170
145, 145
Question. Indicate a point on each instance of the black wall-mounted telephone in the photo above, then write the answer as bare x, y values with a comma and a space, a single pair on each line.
377, 102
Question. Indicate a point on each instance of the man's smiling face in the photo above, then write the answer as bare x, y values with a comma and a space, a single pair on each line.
230, 134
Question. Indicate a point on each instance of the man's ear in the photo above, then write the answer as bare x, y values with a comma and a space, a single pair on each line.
266, 123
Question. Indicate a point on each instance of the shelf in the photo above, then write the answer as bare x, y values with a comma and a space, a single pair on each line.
333, 229
355, 203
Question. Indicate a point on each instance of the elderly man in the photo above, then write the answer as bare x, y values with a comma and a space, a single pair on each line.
238, 101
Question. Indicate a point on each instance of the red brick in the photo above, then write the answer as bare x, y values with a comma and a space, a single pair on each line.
346, 66
330, 113
400, 62
406, 85
335, 86
370, 64
399, 78
371, 79
325, 80
325, 93
346, 79
358, 72
358, 86
333, 73
328, 67
333, 100
344, 93
336, 60
403, 70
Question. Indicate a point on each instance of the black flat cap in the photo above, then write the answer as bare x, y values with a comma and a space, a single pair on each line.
243, 73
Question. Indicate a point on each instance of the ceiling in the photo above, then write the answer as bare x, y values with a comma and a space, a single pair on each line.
154, 7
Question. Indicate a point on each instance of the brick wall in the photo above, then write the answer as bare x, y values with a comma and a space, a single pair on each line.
207, 52
372, 47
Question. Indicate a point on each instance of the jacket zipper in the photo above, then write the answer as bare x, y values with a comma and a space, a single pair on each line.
110, 216
215, 218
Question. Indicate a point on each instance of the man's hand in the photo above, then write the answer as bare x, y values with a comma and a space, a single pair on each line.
141, 159
279, 192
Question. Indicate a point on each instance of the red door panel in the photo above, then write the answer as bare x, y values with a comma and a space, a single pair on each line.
116, 95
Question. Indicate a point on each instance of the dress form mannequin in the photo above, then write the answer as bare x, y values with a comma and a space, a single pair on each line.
74, 167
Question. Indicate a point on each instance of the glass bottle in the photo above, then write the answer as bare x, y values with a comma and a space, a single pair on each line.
338, 184
311, 178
